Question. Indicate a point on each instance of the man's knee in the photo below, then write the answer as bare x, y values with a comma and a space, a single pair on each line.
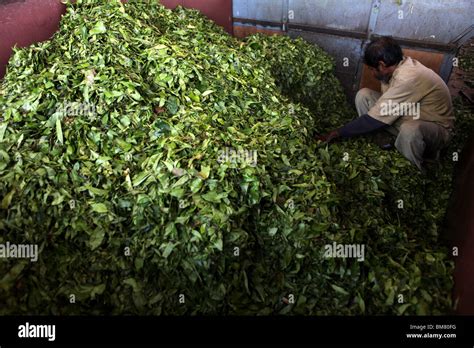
409, 134
365, 99
411, 130
410, 142
364, 94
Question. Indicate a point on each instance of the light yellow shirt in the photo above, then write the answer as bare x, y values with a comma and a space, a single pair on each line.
414, 92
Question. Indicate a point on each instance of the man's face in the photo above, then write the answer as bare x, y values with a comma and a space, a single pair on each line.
381, 73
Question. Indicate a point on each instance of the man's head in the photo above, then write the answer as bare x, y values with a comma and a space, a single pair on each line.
382, 56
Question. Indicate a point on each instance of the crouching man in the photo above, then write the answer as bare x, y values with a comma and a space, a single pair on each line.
415, 104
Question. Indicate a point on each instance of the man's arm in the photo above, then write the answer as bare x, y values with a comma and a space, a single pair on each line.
362, 125
402, 90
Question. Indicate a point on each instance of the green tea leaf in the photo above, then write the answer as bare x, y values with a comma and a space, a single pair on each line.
99, 28
99, 208
59, 132
3, 128
96, 239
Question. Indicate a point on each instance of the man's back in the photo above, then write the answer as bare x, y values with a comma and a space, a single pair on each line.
415, 83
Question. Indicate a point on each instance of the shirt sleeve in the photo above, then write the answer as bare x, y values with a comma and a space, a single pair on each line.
362, 125
390, 105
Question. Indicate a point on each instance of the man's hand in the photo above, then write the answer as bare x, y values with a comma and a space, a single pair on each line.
327, 138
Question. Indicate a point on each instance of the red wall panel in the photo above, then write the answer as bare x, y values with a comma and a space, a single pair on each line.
219, 11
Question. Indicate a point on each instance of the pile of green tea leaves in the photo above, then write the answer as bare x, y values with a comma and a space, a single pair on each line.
135, 212
305, 73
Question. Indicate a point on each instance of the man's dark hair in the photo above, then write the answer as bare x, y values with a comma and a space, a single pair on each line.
383, 49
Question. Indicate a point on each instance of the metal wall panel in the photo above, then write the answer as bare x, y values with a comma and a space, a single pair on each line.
336, 14
438, 21
263, 10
